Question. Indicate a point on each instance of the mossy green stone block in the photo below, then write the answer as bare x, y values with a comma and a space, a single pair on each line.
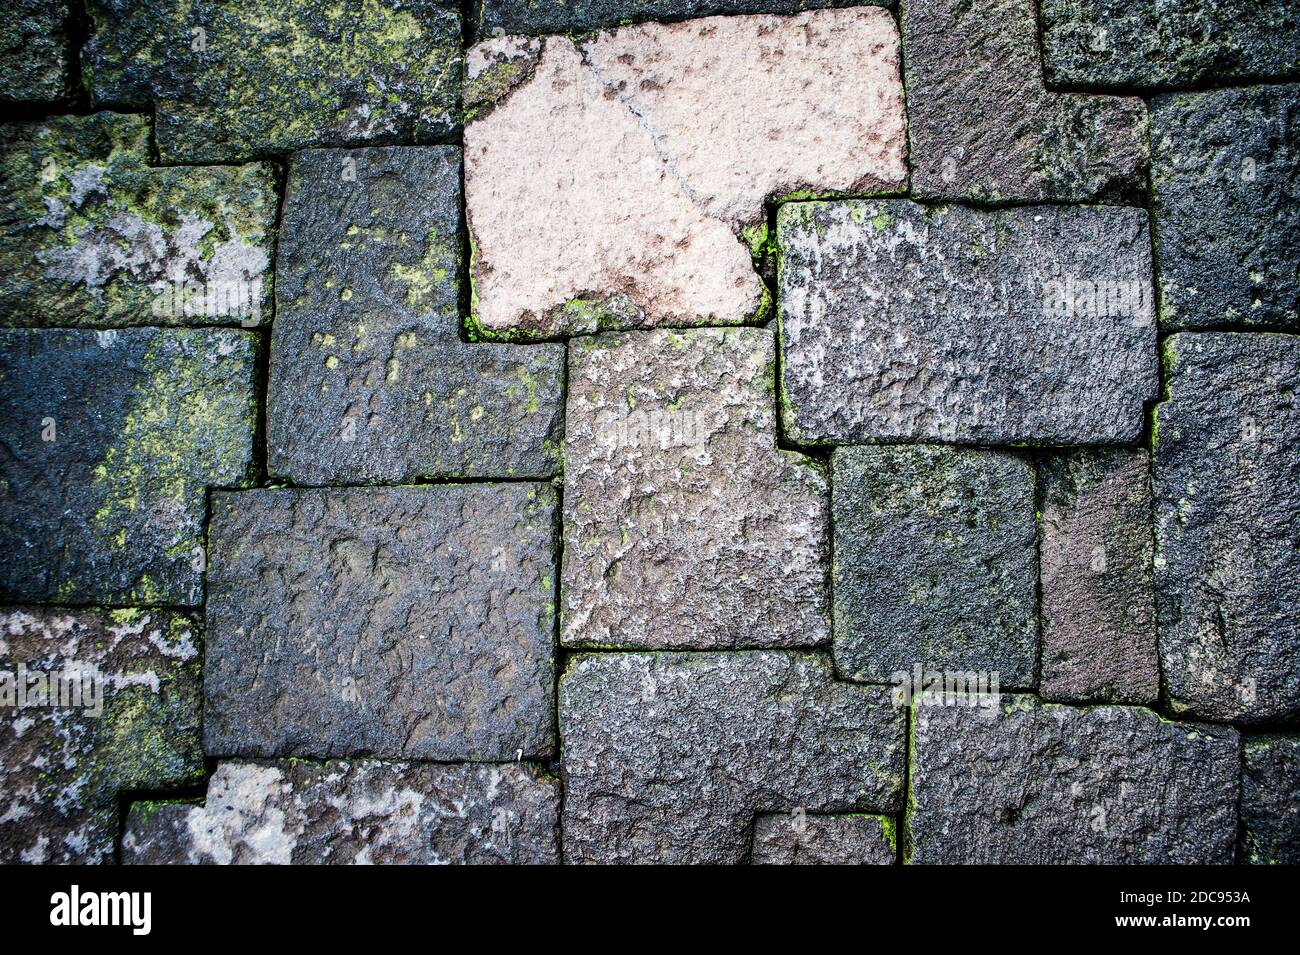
33, 51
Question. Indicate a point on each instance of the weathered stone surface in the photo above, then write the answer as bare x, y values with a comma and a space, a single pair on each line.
900, 321
684, 525
934, 563
1227, 522
1098, 597
264, 77
354, 812
596, 196
1034, 783
1227, 214
33, 51
1270, 800
109, 442
983, 125
93, 235
824, 840
406, 622
127, 685
669, 757
575, 16
1126, 44
369, 378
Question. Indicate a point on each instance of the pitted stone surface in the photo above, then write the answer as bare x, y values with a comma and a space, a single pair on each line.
1127, 44
1226, 212
93, 235
1270, 800
109, 442
413, 622
33, 51
669, 756
984, 127
1098, 597
596, 196
354, 812
135, 724
1033, 783
233, 81
823, 840
934, 563
1227, 525
369, 378
906, 322
684, 525
575, 16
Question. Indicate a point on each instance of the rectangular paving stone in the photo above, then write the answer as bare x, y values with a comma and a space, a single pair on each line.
1226, 214
263, 77
914, 323
801, 839
598, 199
576, 16
33, 52
349, 812
935, 563
1098, 596
669, 756
370, 381
110, 441
1150, 44
95, 703
1047, 784
405, 622
1227, 523
96, 236
1270, 800
983, 125
684, 525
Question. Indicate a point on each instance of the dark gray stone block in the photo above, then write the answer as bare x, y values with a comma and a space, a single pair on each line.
800, 839
576, 16
33, 51
1270, 800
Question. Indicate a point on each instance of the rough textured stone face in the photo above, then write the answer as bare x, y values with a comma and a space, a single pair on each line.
983, 125
1098, 598
669, 757
109, 442
684, 525
94, 235
33, 57
409, 622
1226, 211
900, 321
824, 840
575, 16
369, 378
1270, 800
1125, 44
1227, 525
231, 81
934, 563
353, 812
1033, 783
127, 687
596, 196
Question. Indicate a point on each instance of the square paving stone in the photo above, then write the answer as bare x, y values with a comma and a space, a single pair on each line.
1226, 211
1227, 523
684, 525
983, 125
370, 381
1047, 784
354, 812
1098, 596
668, 757
109, 702
1270, 800
613, 181
232, 81
33, 51
935, 563
907, 322
406, 622
109, 442
800, 839
94, 235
